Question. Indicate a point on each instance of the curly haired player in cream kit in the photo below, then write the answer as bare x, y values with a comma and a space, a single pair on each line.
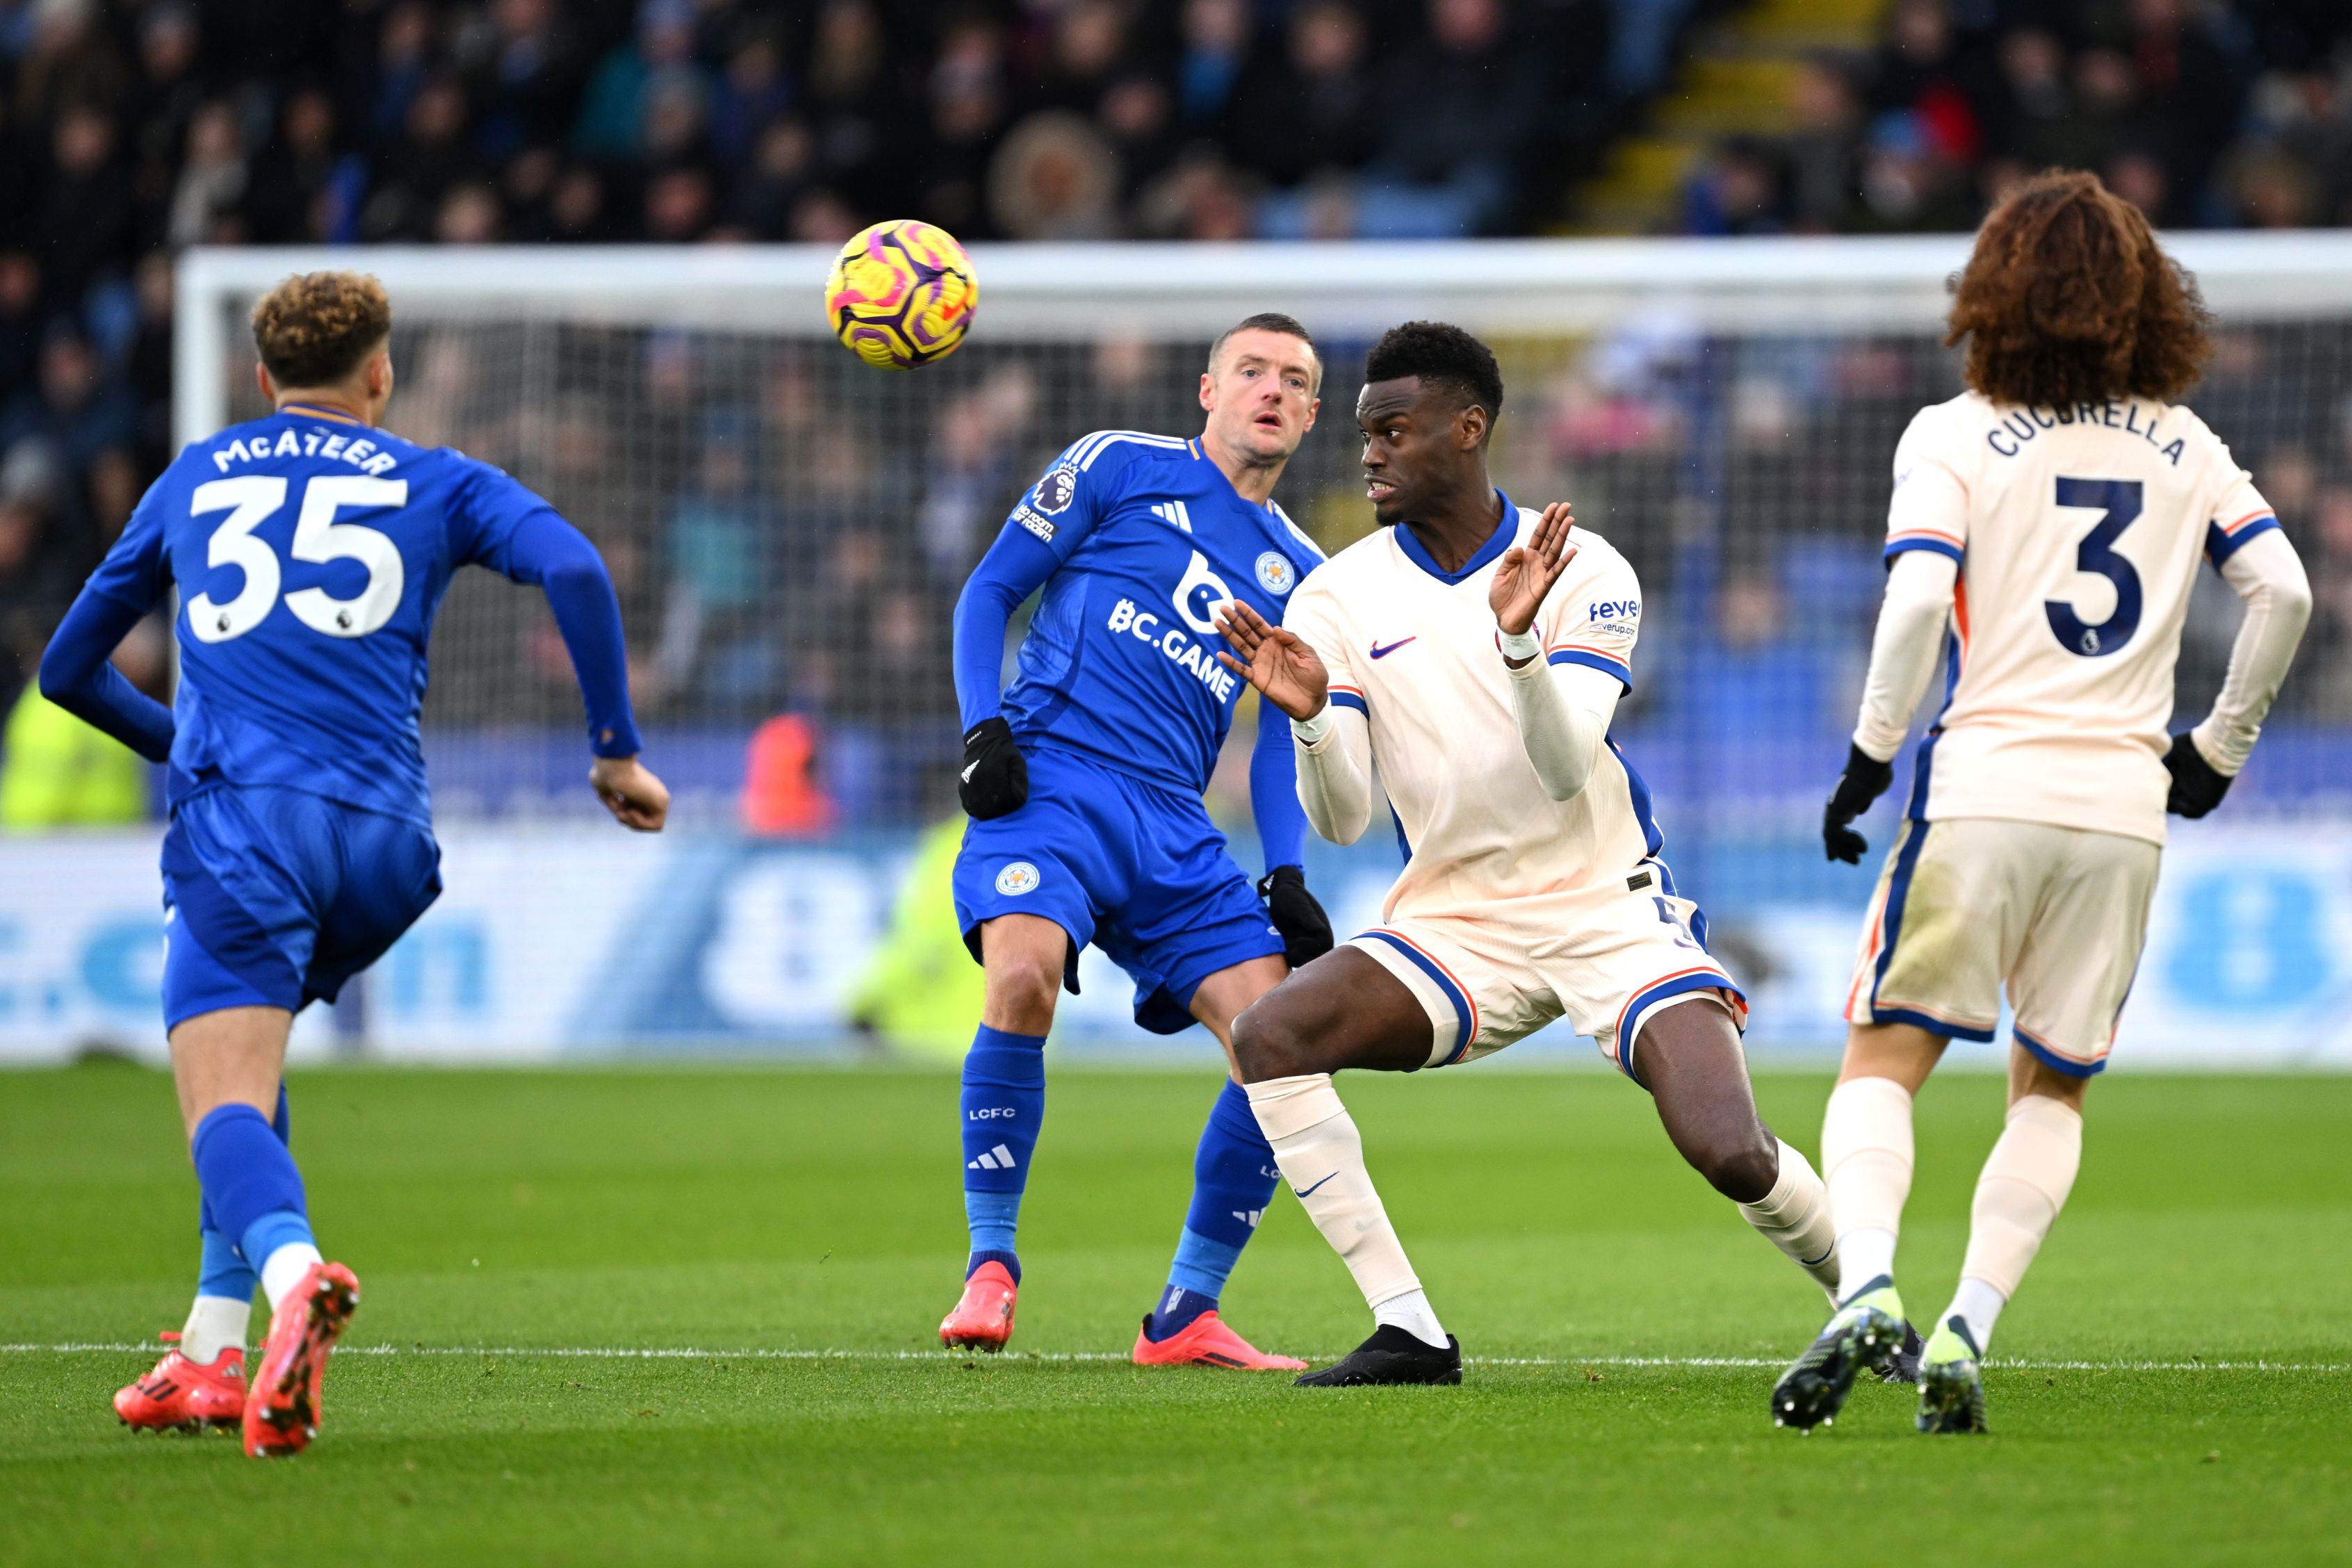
2045, 530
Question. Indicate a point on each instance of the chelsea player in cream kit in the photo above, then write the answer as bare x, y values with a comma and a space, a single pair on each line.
1475, 652
2045, 530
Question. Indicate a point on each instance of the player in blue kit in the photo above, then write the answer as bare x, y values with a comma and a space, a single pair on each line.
1083, 780
311, 551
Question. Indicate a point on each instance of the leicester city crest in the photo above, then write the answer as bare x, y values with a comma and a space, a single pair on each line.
1055, 490
1276, 574
1016, 878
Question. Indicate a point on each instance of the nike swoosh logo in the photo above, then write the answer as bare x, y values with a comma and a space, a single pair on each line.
970, 769
1379, 652
1311, 1191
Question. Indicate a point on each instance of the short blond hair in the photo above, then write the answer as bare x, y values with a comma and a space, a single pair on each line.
316, 328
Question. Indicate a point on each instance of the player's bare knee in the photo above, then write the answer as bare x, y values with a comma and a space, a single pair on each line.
1269, 1042
1021, 991
1743, 1168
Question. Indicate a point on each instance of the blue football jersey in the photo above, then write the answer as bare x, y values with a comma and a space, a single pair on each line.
310, 554
1120, 659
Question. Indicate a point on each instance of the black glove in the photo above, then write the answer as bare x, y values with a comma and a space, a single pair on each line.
2197, 788
1864, 780
995, 776
1305, 929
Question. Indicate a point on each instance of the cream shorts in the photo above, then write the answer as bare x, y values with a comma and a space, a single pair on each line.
1968, 904
1606, 959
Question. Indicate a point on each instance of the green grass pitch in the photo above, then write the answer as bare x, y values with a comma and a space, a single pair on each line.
738, 1215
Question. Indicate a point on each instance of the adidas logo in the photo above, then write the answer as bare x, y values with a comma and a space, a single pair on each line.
1249, 1216
997, 1159
1172, 511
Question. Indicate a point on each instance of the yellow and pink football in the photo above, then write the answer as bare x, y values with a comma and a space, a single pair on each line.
902, 294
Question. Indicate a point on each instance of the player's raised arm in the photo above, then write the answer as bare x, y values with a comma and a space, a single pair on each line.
76, 673
1561, 701
522, 538
1330, 735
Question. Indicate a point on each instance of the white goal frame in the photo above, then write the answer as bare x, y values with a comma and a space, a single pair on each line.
1066, 292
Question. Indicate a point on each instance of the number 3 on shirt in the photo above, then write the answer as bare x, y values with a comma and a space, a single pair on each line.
251, 500
2119, 499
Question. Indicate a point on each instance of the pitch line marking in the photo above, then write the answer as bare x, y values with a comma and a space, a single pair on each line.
682, 1352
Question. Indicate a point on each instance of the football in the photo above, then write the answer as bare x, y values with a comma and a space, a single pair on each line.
902, 294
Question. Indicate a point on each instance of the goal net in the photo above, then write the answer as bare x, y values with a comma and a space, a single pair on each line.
789, 527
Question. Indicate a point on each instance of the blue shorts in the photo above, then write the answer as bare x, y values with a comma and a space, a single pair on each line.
273, 898
1134, 868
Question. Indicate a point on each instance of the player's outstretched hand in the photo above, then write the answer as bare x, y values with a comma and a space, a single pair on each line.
636, 799
2196, 785
1864, 780
1274, 661
1528, 570
994, 779
1305, 929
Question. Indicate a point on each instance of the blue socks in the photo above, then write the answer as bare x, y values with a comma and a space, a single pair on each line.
225, 1271
252, 1191
1233, 1178
1003, 1107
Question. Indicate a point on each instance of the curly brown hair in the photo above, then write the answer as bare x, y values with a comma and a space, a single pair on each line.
316, 328
2067, 299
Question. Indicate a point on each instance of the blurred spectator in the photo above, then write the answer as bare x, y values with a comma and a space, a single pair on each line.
469, 216
302, 189
74, 408
1054, 178
1821, 152
57, 771
852, 107
1458, 110
20, 310
1216, 42
1740, 192
2205, 114
753, 91
39, 571
84, 229
921, 989
1309, 108
432, 156
168, 89
204, 204
782, 795
612, 114
1200, 198
527, 79
966, 95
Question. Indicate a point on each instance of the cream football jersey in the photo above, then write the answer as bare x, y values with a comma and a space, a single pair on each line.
1415, 649
2078, 533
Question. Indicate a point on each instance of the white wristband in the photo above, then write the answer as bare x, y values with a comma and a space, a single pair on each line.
1521, 646
1310, 731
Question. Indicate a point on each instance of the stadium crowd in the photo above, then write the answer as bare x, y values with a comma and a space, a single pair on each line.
128, 130
2208, 115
